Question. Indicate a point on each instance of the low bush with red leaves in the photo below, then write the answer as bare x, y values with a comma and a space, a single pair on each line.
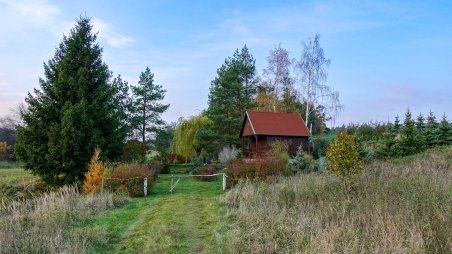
129, 179
262, 169
205, 172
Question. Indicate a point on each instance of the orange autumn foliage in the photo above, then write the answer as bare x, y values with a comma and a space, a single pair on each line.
96, 171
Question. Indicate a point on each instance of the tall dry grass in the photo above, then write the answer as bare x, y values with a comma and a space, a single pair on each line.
402, 206
52, 222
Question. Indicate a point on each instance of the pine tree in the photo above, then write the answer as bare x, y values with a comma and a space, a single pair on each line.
123, 101
231, 94
146, 106
445, 131
432, 133
73, 113
410, 140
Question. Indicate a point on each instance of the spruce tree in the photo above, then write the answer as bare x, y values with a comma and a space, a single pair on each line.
146, 106
394, 144
420, 126
231, 94
73, 112
432, 133
445, 131
389, 144
410, 141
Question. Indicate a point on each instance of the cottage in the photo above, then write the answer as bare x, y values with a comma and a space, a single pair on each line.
261, 129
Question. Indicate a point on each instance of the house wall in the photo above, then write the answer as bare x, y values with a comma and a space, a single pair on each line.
264, 144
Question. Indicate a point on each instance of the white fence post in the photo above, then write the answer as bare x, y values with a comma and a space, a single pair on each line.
224, 182
145, 186
102, 188
171, 187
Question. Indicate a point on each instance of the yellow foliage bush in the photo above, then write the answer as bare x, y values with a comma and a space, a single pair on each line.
3, 147
343, 157
96, 171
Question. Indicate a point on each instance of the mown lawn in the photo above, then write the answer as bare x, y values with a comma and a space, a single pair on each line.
15, 176
16, 183
191, 220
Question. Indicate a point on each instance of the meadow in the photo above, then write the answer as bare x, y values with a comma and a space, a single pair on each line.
16, 183
191, 220
398, 206
395, 206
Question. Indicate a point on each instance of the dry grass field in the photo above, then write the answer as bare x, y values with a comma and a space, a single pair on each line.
399, 206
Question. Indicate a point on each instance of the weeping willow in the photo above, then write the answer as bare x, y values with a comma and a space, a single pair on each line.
184, 141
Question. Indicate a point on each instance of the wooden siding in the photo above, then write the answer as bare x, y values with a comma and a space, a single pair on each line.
252, 149
294, 143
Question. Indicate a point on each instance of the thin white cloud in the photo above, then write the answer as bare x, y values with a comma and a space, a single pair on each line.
113, 38
39, 12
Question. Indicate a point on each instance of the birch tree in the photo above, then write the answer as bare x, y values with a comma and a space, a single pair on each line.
312, 70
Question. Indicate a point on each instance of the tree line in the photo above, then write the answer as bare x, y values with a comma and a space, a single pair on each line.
414, 136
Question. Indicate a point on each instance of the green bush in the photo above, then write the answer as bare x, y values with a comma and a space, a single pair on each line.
298, 163
134, 151
280, 150
343, 158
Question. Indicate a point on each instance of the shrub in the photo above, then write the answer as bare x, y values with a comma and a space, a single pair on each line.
176, 159
154, 162
207, 171
343, 157
239, 154
128, 178
96, 171
227, 154
280, 150
302, 162
319, 145
134, 151
256, 170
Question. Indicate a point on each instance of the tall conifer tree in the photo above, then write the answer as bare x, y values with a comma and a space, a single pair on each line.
445, 131
73, 112
231, 94
410, 140
431, 133
146, 106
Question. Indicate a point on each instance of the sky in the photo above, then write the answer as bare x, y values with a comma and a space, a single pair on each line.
386, 56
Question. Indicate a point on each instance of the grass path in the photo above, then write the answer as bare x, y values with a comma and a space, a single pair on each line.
191, 220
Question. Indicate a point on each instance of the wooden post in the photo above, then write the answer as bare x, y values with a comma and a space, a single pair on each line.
102, 187
224, 182
145, 185
171, 188
256, 147
243, 152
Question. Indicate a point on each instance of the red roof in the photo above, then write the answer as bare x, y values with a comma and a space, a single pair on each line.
272, 123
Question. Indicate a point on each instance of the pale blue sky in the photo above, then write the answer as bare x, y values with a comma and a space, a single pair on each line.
385, 56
